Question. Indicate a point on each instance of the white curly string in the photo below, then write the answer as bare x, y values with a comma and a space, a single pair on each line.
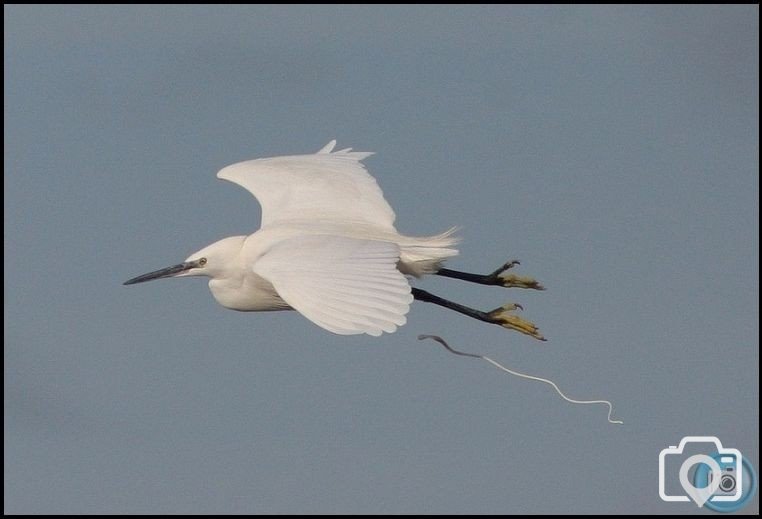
523, 375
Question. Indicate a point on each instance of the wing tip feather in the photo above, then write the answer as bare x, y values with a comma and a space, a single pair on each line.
328, 148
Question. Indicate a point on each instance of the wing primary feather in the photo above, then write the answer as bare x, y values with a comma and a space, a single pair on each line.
367, 309
328, 147
331, 321
345, 285
329, 187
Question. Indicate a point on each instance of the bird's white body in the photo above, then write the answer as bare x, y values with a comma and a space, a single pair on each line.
327, 246
240, 288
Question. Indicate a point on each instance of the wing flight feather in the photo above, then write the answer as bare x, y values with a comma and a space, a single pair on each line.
325, 186
345, 285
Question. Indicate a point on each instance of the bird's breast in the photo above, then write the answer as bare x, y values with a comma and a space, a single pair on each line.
250, 293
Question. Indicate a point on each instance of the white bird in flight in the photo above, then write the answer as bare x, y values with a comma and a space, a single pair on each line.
328, 248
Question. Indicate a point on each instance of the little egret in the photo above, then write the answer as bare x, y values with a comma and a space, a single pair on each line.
328, 248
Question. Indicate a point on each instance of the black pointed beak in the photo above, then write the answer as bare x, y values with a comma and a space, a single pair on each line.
163, 273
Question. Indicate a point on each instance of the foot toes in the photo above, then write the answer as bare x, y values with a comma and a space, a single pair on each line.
510, 265
495, 276
514, 281
502, 316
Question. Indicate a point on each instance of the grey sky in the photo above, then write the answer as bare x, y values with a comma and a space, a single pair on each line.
613, 150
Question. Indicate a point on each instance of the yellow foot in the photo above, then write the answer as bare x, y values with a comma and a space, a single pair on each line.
506, 319
514, 281
501, 278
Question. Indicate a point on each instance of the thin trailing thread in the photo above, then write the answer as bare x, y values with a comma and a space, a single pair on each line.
522, 375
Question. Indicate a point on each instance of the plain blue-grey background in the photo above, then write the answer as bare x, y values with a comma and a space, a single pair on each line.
614, 150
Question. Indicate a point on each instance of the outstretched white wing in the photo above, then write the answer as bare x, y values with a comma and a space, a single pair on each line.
323, 186
344, 285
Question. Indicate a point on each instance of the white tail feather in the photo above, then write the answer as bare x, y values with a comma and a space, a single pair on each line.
424, 255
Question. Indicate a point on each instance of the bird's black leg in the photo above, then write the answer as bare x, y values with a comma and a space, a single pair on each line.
497, 278
501, 316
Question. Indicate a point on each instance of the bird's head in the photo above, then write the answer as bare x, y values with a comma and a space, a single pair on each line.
212, 261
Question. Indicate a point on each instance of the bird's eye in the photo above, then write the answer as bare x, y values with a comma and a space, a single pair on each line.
202, 262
